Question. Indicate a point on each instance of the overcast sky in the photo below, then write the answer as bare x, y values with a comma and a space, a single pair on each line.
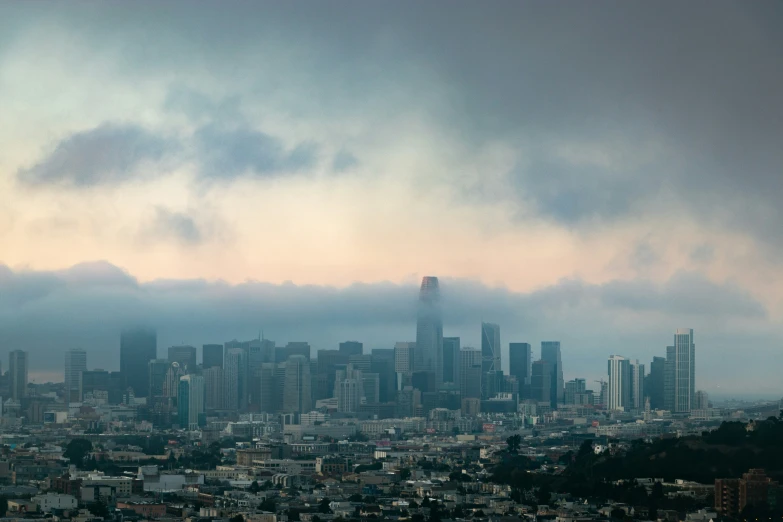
599, 173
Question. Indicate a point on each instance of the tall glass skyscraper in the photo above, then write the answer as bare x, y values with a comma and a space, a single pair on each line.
451, 347
137, 348
429, 330
490, 348
75, 364
520, 359
680, 372
550, 352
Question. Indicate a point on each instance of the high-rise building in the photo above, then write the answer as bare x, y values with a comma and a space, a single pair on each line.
351, 348
550, 352
701, 400
95, 380
637, 386
451, 359
297, 385
158, 369
382, 363
282, 353
214, 388
680, 372
541, 389
137, 348
619, 383
470, 373
520, 358
654, 383
361, 362
428, 355
212, 355
75, 364
404, 357
174, 372
574, 391
234, 378
184, 355
17, 374
490, 348
190, 403
349, 390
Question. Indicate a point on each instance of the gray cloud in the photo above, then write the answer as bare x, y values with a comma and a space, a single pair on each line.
180, 226
87, 306
344, 160
110, 153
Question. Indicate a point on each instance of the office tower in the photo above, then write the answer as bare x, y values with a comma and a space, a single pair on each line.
212, 355
404, 357
636, 386
297, 385
428, 355
370, 388
158, 370
654, 383
17, 374
619, 383
541, 389
267, 383
490, 348
190, 403
75, 364
574, 390
260, 351
327, 363
701, 400
185, 356
382, 363
424, 381
171, 384
492, 383
520, 358
680, 372
351, 348
451, 359
234, 378
470, 373
349, 389
361, 362
214, 388
95, 380
293, 348
550, 352
137, 348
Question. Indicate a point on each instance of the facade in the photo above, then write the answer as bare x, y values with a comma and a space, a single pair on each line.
619, 391
451, 347
576, 391
158, 368
75, 364
349, 390
137, 348
184, 355
17, 373
680, 373
404, 357
654, 384
550, 352
212, 355
190, 402
214, 388
541, 389
428, 355
520, 358
637, 386
351, 348
490, 348
297, 397
234, 378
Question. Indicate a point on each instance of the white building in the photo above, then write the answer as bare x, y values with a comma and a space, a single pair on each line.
619, 383
52, 501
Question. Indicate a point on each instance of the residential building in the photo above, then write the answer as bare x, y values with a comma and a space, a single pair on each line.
75, 364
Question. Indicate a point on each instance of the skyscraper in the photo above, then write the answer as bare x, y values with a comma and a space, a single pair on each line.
470, 373
212, 355
158, 369
297, 385
234, 378
137, 348
654, 384
214, 389
619, 369
541, 382
520, 358
190, 402
451, 359
680, 372
637, 386
75, 364
17, 374
349, 389
351, 348
428, 355
184, 355
404, 357
382, 363
550, 352
490, 348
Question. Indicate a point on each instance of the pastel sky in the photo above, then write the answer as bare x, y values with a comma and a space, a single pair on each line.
599, 173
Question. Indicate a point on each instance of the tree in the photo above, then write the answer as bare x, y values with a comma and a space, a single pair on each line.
405, 473
254, 487
514, 442
99, 509
585, 449
77, 450
543, 494
323, 506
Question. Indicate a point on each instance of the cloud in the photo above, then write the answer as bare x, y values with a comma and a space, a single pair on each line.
227, 153
109, 153
180, 226
344, 160
89, 304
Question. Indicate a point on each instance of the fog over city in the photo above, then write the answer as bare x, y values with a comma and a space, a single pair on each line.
600, 175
